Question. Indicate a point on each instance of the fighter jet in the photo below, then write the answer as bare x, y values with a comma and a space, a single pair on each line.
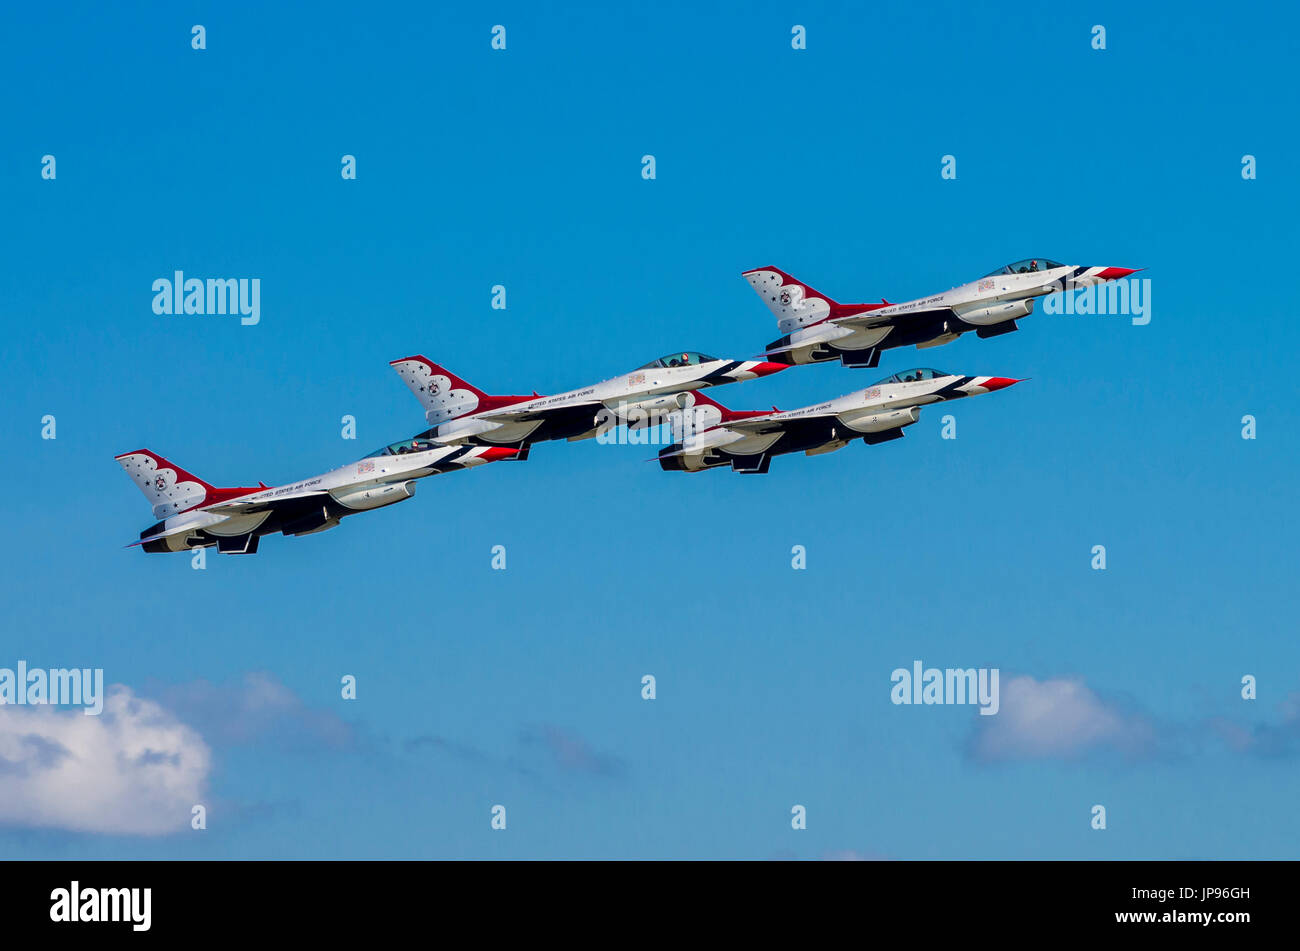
817, 328
716, 436
461, 413
198, 515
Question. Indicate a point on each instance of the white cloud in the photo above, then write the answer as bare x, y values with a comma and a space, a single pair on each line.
1060, 718
133, 770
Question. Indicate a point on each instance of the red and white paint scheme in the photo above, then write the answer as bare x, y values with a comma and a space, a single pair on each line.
817, 328
195, 514
712, 435
459, 412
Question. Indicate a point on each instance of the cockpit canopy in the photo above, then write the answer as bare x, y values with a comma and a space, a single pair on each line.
911, 376
403, 447
687, 359
1027, 266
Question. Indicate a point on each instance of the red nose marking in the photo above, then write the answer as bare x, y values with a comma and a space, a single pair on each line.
764, 369
496, 453
1115, 273
999, 383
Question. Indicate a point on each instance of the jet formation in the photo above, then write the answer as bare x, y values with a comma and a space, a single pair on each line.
469, 428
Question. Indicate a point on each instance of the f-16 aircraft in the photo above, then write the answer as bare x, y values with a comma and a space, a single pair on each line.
817, 328
747, 441
461, 413
198, 515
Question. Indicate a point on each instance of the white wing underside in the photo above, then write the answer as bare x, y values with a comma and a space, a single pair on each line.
537, 413
243, 507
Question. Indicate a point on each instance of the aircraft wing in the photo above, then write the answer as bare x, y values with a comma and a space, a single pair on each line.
776, 350
239, 506
805, 424
249, 506
757, 425
869, 320
148, 538
875, 319
508, 415
826, 423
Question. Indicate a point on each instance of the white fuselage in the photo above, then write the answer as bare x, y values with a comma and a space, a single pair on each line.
886, 407
647, 394
982, 303
368, 483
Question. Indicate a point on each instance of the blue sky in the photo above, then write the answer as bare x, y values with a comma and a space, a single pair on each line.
523, 687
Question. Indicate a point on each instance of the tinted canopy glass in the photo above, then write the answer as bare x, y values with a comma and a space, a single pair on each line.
911, 376
684, 359
1027, 266
403, 447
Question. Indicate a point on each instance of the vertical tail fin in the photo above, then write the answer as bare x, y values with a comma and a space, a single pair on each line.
794, 303
168, 487
726, 415
443, 394
719, 414
704, 412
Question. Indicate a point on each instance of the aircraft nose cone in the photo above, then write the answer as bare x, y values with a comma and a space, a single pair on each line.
1115, 273
999, 383
496, 453
766, 369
